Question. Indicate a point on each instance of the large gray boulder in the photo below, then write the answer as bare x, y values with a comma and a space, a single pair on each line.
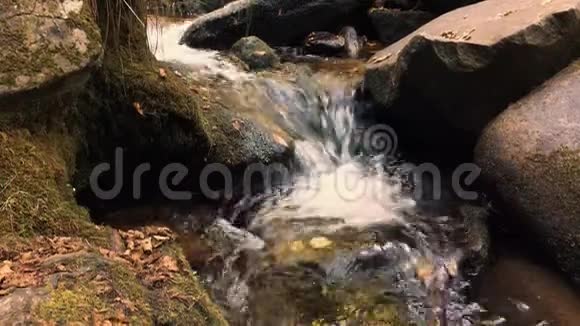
531, 155
275, 21
45, 43
456, 73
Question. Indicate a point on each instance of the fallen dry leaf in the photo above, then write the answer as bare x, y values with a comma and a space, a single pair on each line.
136, 256
7, 291
237, 124
279, 140
424, 271
25, 257
5, 270
161, 238
138, 108
162, 73
169, 264
104, 252
130, 245
147, 246
377, 59
449, 35
137, 234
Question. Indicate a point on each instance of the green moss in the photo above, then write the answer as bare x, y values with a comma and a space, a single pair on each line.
110, 287
40, 61
65, 306
183, 301
125, 282
35, 197
85, 21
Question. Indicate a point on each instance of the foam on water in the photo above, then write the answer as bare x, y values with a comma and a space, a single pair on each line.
164, 38
337, 182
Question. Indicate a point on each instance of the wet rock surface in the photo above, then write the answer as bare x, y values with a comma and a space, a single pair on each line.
324, 43
449, 77
353, 42
277, 22
530, 155
346, 44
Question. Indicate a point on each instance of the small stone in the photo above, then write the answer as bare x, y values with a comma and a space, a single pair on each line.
255, 53
320, 242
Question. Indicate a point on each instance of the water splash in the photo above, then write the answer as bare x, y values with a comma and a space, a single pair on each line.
163, 36
337, 181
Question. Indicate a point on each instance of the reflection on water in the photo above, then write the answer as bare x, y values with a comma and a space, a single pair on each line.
524, 292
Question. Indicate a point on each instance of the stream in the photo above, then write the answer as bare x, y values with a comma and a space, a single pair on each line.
345, 240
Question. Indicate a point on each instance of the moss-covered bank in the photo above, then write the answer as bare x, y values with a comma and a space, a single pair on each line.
57, 266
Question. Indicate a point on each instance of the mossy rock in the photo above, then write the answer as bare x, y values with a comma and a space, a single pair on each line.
75, 282
530, 155
35, 196
109, 290
147, 110
256, 53
44, 43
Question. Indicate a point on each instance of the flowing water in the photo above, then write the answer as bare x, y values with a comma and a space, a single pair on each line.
342, 241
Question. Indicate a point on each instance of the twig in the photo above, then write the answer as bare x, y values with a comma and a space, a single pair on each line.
134, 13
